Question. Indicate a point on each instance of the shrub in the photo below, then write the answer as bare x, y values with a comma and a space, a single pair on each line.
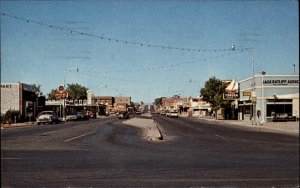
10, 116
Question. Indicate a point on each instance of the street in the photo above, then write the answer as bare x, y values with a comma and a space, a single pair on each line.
107, 153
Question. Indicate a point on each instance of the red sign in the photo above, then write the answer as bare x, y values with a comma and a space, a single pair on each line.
61, 94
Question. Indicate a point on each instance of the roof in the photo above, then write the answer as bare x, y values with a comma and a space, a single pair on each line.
232, 87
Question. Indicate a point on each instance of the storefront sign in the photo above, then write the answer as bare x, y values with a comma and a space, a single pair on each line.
281, 82
231, 96
246, 93
5, 85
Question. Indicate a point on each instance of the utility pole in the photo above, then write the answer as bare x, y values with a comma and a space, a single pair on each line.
64, 101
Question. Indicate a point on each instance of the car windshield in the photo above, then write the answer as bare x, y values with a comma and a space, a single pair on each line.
46, 113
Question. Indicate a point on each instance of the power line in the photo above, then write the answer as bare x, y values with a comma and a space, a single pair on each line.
116, 40
166, 67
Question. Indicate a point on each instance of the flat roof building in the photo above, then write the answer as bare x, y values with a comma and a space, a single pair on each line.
268, 97
18, 96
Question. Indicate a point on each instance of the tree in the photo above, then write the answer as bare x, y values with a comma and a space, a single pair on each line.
38, 88
213, 92
76, 91
158, 102
51, 95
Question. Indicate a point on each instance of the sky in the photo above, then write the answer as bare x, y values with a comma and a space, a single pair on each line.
146, 49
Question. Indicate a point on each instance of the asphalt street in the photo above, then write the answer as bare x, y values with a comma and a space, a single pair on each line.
108, 153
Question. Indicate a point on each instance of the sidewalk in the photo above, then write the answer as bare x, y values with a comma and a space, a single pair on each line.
291, 128
17, 125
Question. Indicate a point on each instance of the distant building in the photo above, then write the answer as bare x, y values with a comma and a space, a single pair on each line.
122, 103
104, 103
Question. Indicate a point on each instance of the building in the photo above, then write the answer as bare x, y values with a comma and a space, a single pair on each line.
104, 103
122, 103
269, 97
21, 97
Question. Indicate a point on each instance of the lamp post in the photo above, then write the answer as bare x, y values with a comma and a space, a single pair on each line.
294, 69
253, 95
64, 101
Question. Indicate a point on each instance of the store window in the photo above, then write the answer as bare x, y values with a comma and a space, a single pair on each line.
279, 109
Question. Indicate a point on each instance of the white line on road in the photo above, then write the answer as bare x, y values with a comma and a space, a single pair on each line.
49, 132
79, 136
220, 136
10, 158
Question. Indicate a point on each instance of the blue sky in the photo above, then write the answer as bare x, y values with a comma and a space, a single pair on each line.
38, 53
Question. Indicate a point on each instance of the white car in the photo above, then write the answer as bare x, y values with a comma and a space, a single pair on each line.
47, 117
172, 114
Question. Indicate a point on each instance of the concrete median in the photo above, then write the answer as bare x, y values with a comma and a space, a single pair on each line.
149, 127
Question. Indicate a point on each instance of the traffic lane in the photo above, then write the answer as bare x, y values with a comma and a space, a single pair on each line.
120, 157
225, 140
229, 132
51, 136
104, 156
189, 162
262, 153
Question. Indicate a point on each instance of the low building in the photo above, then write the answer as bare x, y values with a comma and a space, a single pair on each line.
265, 98
122, 103
104, 103
21, 97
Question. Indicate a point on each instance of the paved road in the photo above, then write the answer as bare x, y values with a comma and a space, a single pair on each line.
107, 153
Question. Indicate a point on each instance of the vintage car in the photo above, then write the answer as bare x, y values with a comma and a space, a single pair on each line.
72, 117
123, 115
172, 113
82, 116
47, 117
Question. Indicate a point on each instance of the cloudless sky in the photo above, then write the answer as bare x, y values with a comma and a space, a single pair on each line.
36, 53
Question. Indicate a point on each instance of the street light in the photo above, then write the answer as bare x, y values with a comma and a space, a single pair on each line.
233, 47
294, 69
64, 102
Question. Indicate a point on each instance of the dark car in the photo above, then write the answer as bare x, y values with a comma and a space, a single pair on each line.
123, 115
71, 117
82, 116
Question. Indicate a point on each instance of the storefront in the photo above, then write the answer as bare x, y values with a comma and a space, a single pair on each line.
20, 97
266, 98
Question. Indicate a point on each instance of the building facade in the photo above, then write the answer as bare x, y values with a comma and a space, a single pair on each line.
264, 97
19, 96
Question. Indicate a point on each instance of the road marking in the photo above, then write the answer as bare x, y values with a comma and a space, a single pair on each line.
220, 136
10, 158
79, 136
49, 132
191, 127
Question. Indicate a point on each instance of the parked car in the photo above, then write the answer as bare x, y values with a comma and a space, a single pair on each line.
163, 112
72, 117
172, 114
82, 116
47, 117
92, 114
123, 115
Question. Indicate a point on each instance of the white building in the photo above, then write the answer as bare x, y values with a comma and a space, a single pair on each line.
271, 96
18, 96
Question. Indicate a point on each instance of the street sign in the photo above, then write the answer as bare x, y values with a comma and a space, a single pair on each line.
246, 93
61, 94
